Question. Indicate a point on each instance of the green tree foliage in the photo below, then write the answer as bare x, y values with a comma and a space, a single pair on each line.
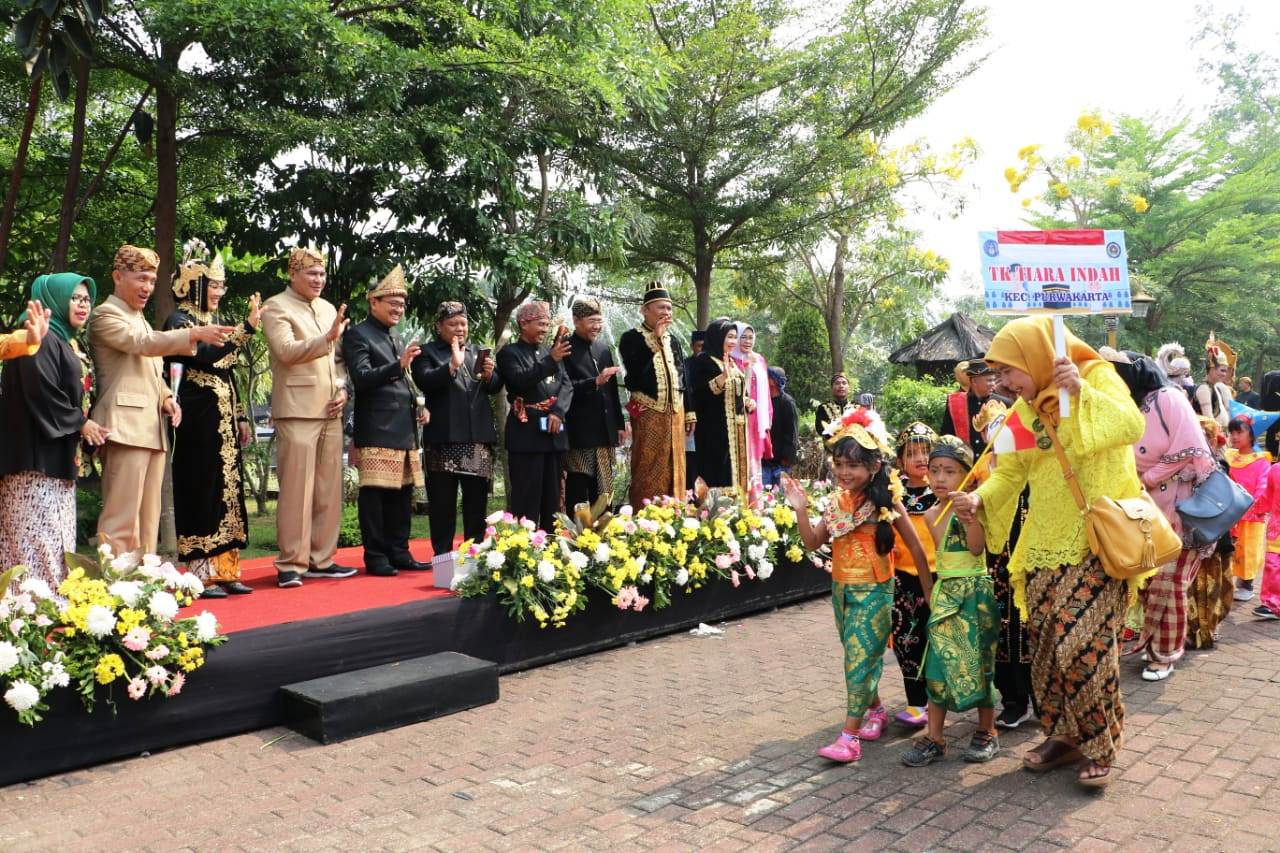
758, 120
802, 352
1199, 204
905, 400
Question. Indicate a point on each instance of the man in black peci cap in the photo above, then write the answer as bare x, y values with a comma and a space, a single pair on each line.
962, 406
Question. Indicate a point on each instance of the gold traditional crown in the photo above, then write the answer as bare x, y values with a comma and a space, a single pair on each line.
393, 285
991, 411
1219, 353
916, 431
194, 265
217, 271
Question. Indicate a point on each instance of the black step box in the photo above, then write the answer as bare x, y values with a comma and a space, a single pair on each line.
364, 701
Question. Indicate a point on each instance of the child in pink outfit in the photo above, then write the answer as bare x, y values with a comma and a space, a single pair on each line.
1270, 593
1249, 468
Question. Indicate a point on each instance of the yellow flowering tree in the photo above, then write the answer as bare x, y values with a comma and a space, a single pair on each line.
854, 261
1077, 183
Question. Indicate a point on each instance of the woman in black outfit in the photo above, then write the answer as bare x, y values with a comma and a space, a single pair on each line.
43, 405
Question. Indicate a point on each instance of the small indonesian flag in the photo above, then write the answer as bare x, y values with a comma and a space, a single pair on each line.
1014, 435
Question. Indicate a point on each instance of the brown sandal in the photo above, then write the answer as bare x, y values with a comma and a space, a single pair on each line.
1093, 781
1052, 753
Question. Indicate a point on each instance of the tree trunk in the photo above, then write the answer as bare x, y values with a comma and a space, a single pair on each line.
835, 307
703, 264
166, 207
70, 190
166, 212
19, 164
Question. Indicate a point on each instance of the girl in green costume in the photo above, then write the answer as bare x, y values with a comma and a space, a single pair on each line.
964, 620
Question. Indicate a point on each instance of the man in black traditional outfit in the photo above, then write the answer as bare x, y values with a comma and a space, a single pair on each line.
457, 378
386, 428
963, 406
539, 392
652, 359
594, 421
828, 412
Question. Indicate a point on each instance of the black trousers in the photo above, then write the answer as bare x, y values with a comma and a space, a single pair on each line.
442, 508
384, 525
535, 486
579, 488
910, 634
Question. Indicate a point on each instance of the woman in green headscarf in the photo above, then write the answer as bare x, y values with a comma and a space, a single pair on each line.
43, 416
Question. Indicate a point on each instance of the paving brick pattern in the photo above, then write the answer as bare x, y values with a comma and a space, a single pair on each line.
690, 743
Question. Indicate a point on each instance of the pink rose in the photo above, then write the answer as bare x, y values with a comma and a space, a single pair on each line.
723, 561
733, 578
175, 686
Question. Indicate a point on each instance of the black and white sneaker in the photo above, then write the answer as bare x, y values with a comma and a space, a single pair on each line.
1010, 717
982, 748
1264, 612
330, 571
288, 580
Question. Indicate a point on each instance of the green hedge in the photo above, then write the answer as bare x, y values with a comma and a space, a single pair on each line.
905, 400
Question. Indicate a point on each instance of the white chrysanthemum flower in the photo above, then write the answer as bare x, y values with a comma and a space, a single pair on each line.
101, 621
152, 561
36, 587
546, 571
602, 553
105, 552
646, 578
757, 552
579, 560
494, 559
682, 577
55, 675
669, 530
206, 626
16, 627
21, 696
190, 584
163, 605
691, 524
641, 561
125, 562
8, 656
127, 591
493, 517
764, 569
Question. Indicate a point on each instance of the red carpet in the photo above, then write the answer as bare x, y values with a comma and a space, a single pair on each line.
270, 605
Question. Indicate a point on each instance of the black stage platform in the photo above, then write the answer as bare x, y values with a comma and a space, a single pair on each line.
238, 689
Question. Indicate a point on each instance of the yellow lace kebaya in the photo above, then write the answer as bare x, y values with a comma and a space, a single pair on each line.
1098, 438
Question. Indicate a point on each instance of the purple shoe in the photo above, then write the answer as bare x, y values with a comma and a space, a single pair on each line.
873, 724
912, 717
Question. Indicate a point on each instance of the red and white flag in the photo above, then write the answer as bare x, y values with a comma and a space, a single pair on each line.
1013, 436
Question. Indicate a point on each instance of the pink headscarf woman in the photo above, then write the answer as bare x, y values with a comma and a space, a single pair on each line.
761, 421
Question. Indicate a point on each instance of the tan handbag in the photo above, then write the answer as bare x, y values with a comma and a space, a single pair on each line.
1129, 536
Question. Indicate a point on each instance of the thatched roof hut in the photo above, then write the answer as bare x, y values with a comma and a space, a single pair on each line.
938, 350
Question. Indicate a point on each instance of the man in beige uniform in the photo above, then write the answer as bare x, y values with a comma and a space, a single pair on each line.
133, 400
308, 391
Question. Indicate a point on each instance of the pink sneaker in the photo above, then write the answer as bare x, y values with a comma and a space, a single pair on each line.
845, 749
913, 716
873, 724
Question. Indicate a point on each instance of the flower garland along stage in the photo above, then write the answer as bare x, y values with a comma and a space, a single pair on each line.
637, 557
111, 621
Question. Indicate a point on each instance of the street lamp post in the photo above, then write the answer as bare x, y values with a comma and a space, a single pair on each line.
1141, 304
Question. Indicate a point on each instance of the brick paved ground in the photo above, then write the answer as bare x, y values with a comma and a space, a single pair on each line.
695, 743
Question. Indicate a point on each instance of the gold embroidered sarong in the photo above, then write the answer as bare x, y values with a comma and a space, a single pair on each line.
387, 468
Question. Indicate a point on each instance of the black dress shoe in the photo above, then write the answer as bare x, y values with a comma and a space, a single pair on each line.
381, 571
213, 591
412, 565
236, 588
